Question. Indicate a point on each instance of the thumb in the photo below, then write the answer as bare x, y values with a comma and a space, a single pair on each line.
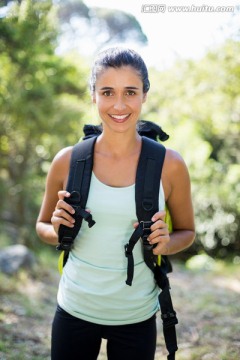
62, 194
160, 215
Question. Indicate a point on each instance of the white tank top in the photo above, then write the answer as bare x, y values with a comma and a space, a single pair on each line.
92, 286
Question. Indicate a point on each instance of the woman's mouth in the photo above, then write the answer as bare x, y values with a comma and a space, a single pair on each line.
120, 118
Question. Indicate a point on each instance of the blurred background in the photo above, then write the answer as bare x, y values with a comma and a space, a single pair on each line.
46, 52
192, 52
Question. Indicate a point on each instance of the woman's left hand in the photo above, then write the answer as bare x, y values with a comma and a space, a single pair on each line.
159, 236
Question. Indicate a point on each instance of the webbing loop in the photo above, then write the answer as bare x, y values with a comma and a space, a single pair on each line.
142, 231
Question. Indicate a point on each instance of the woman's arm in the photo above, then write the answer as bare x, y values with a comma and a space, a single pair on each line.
54, 211
177, 189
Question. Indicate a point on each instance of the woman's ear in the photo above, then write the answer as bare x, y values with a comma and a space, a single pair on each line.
144, 97
94, 98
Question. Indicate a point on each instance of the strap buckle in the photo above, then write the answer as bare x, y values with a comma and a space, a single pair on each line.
82, 213
146, 228
169, 319
65, 244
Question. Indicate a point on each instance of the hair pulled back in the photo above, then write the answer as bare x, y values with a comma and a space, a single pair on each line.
117, 57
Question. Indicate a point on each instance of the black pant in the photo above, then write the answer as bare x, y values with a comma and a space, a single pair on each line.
76, 339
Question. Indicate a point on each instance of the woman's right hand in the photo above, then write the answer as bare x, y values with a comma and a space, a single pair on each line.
62, 212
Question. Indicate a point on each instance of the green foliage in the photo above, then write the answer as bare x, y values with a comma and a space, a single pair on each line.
40, 101
44, 101
198, 103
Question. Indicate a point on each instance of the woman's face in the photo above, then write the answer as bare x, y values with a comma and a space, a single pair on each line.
119, 97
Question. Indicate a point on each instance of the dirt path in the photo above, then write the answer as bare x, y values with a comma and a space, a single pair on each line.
207, 305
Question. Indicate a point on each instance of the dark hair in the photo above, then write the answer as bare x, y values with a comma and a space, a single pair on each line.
117, 57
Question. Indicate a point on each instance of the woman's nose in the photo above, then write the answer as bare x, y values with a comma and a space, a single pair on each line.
119, 104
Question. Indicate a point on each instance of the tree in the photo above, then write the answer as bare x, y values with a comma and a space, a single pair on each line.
43, 100
40, 109
91, 28
198, 103
80, 24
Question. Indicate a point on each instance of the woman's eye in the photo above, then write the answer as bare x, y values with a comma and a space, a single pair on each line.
107, 93
130, 92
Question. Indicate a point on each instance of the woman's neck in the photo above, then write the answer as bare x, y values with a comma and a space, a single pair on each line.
118, 144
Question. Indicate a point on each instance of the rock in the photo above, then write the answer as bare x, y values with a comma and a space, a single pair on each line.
13, 258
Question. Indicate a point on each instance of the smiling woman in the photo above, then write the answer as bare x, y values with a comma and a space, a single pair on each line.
119, 97
94, 301
119, 86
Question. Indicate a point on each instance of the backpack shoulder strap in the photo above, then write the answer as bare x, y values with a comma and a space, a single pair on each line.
147, 204
147, 186
78, 184
81, 163
148, 178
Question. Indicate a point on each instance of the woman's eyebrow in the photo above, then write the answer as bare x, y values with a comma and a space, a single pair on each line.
106, 88
126, 87
132, 87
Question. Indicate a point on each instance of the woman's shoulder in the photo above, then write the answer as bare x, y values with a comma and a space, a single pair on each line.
174, 161
60, 164
63, 154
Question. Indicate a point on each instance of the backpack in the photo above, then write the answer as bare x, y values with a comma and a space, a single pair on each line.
146, 195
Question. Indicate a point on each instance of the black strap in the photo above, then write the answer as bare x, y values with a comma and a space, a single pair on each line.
141, 231
168, 314
147, 197
148, 178
78, 185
